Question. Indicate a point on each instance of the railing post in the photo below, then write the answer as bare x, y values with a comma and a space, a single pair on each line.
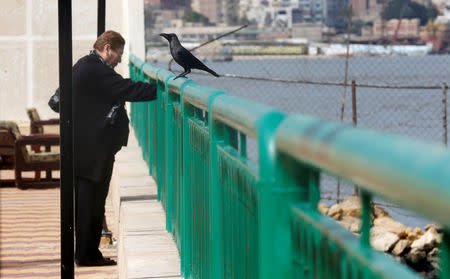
160, 137
445, 255
185, 253
366, 221
216, 240
173, 148
272, 263
168, 146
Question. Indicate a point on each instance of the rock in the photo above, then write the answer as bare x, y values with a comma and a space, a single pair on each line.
381, 239
380, 212
403, 235
411, 238
427, 241
351, 206
409, 230
415, 256
413, 235
433, 253
323, 208
436, 226
351, 223
335, 211
417, 231
399, 247
391, 226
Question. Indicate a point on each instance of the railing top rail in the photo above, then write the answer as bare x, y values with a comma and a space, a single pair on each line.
239, 113
175, 85
163, 74
414, 174
148, 69
198, 95
135, 60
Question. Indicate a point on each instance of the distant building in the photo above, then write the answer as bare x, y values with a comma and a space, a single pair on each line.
165, 18
284, 13
366, 10
441, 4
208, 8
309, 11
333, 12
309, 31
409, 28
152, 2
218, 11
200, 33
229, 12
168, 4
445, 18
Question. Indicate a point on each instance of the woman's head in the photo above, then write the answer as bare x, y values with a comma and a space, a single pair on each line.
110, 46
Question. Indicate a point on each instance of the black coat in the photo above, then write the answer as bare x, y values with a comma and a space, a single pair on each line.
96, 88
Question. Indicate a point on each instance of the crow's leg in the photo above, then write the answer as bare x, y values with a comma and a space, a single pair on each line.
183, 74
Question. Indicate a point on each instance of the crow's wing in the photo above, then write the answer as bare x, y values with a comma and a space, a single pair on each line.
188, 60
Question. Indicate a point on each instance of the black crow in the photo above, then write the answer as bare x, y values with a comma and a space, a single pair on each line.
184, 57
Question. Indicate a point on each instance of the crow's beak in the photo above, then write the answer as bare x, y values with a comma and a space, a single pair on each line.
164, 35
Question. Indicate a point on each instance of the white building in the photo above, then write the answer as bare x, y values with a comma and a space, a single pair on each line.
285, 13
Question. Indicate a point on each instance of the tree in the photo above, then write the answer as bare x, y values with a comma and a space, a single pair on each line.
193, 16
409, 9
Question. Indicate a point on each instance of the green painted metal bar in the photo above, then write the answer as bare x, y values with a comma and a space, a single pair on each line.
235, 218
324, 245
366, 225
196, 137
173, 155
260, 122
412, 173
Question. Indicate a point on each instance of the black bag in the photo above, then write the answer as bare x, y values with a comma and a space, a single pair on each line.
54, 101
112, 115
110, 118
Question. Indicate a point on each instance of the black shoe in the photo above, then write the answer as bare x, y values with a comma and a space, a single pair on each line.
98, 262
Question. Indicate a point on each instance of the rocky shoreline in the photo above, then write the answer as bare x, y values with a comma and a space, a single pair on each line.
414, 247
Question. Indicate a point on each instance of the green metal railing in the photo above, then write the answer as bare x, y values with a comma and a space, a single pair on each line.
233, 217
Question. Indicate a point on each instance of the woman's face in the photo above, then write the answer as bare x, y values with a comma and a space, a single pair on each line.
114, 56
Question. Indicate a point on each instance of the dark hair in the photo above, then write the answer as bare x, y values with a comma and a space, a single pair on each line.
114, 39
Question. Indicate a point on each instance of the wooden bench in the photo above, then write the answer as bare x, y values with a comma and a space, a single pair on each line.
24, 159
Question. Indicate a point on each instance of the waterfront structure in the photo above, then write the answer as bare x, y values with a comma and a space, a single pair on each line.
409, 28
200, 33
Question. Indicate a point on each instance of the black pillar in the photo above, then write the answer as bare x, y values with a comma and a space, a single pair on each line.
66, 133
101, 17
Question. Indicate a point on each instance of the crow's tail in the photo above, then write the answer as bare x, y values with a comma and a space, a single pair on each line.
211, 72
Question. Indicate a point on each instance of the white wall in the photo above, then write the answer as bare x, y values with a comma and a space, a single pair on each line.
29, 47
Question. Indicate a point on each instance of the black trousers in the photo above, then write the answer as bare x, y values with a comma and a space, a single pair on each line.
90, 197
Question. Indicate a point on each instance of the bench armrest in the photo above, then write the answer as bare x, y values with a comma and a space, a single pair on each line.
41, 139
